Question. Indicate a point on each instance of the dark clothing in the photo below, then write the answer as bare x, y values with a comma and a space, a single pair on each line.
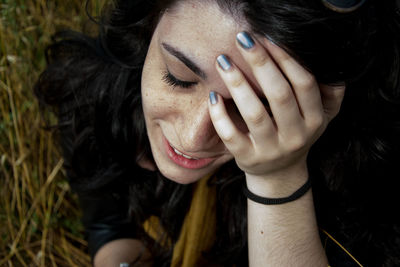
106, 219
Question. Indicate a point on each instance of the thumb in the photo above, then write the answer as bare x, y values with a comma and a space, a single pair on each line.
332, 97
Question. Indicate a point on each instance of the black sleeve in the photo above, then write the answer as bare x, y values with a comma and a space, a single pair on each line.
105, 219
105, 215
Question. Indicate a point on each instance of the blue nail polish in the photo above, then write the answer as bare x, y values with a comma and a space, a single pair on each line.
213, 98
223, 62
245, 40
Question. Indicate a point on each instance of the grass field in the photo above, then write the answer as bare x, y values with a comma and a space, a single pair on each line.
39, 216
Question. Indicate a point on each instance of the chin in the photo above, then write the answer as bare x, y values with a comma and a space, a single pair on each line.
181, 177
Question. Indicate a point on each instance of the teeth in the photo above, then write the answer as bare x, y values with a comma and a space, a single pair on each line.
183, 155
177, 152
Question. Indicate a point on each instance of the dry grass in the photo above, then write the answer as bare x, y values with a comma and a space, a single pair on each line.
39, 216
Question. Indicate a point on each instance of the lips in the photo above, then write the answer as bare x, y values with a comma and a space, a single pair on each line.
183, 160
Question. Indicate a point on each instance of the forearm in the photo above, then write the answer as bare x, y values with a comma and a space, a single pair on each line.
284, 234
121, 250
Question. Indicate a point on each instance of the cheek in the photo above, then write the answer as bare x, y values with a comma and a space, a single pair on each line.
157, 98
154, 97
155, 101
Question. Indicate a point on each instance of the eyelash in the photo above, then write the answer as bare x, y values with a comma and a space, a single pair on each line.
173, 81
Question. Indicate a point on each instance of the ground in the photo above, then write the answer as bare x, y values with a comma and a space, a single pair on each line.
39, 215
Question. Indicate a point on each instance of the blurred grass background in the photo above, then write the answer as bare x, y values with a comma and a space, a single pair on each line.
39, 216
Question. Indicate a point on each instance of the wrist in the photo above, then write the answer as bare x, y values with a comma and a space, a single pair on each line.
278, 184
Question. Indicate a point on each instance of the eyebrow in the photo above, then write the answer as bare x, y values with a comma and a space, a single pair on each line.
185, 60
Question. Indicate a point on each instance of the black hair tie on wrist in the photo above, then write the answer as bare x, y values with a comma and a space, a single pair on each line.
274, 201
343, 6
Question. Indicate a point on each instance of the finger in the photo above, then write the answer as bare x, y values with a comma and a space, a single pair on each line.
250, 106
276, 88
332, 98
235, 141
305, 87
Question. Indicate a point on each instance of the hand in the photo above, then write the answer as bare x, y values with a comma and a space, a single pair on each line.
299, 109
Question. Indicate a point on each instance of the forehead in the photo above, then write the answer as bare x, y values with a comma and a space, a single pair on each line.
201, 29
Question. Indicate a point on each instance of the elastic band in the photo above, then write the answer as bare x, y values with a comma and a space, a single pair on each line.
274, 201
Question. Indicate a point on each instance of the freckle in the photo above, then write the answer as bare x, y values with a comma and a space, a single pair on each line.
262, 232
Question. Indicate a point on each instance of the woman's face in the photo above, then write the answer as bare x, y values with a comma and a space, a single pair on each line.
178, 74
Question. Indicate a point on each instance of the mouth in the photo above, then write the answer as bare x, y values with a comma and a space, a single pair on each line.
184, 160
181, 154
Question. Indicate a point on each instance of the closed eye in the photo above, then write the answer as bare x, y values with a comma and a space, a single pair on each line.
173, 81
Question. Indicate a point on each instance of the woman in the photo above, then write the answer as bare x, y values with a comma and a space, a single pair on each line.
176, 106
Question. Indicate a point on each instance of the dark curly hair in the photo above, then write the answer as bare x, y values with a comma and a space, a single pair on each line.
92, 84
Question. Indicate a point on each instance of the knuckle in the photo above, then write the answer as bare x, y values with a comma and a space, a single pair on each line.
235, 80
256, 118
260, 59
282, 96
228, 137
306, 82
285, 58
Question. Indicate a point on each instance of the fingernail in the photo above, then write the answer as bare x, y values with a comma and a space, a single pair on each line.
270, 39
245, 40
213, 98
223, 62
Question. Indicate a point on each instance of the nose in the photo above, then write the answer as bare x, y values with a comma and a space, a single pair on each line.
197, 132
